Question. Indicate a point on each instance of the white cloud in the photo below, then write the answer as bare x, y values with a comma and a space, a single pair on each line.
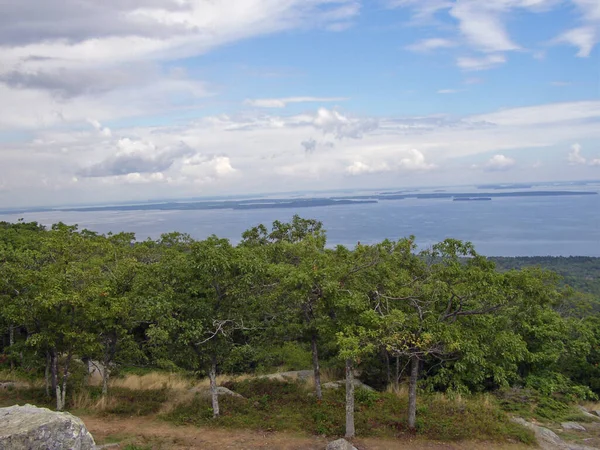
62, 59
482, 24
104, 131
560, 83
448, 91
595, 162
333, 122
415, 160
483, 63
584, 38
283, 102
575, 156
427, 45
543, 114
392, 161
360, 168
260, 152
499, 163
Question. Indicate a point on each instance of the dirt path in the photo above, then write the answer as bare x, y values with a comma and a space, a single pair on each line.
160, 435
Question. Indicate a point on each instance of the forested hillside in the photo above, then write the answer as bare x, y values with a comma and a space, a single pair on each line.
580, 272
440, 320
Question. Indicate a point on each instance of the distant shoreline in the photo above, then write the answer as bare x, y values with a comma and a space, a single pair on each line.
294, 203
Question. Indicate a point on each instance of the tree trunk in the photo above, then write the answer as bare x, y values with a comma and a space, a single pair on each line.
11, 342
412, 392
55, 383
47, 373
212, 375
105, 378
350, 430
61, 391
388, 368
397, 377
316, 368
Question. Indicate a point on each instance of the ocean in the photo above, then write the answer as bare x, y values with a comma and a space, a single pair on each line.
520, 226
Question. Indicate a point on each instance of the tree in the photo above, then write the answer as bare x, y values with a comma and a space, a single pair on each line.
433, 293
300, 271
208, 300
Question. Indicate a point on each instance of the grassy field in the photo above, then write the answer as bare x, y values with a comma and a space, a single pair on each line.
271, 409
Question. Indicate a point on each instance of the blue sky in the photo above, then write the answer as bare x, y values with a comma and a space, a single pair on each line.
112, 100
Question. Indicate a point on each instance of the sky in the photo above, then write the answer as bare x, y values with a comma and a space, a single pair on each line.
129, 100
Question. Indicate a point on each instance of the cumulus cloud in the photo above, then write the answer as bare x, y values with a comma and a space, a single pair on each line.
499, 163
199, 169
412, 161
259, 152
415, 160
309, 145
104, 131
575, 155
359, 168
136, 157
283, 102
333, 122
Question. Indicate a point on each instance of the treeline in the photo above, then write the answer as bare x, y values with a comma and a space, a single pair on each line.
582, 273
444, 319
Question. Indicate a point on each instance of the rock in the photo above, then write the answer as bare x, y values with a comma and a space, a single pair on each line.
340, 444
548, 439
572, 426
587, 414
13, 385
342, 384
31, 428
205, 392
294, 374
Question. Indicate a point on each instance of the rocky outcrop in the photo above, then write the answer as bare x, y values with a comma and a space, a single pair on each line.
342, 384
548, 439
340, 444
591, 415
205, 392
31, 428
573, 426
301, 375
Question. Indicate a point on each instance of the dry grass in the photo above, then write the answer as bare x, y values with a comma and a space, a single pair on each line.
592, 406
401, 391
153, 381
83, 400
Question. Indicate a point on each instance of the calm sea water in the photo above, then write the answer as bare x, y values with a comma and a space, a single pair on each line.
558, 226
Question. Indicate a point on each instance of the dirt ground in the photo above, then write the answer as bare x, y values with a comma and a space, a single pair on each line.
158, 435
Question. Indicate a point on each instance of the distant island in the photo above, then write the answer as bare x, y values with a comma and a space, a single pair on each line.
312, 202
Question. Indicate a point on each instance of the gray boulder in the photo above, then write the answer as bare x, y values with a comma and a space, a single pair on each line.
342, 384
301, 375
572, 426
589, 415
340, 444
31, 428
205, 392
548, 439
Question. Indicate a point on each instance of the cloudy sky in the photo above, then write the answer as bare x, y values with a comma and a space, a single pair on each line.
135, 99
